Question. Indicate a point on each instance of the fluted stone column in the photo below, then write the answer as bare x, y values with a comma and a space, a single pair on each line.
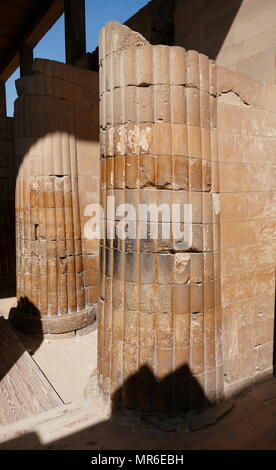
56, 138
160, 318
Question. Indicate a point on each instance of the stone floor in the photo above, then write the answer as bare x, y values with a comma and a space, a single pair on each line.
67, 361
251, 424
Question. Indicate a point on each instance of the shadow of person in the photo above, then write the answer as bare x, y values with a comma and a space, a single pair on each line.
143, 391
24, 390
13, 344
33, 331
24, 311
7, 241
153, 413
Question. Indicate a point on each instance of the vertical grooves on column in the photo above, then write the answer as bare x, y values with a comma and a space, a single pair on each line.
110, 314
204, 123
108, 270
203, 80
49, 219
70, 209
62, 265
106, 305
103, 148
188, 398
132, 399
173, 121
110, 320
216, 213
150, 386
173, 285
118, 351
68, 217
77, 234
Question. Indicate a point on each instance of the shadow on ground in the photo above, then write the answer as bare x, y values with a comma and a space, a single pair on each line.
250, 424
133, 430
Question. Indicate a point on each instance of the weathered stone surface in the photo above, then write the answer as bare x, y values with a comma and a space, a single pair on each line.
186, 130
246, 133
157, 294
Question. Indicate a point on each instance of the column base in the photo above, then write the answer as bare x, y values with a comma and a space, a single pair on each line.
39, 325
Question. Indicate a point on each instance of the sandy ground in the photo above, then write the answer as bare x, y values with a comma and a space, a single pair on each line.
67, 362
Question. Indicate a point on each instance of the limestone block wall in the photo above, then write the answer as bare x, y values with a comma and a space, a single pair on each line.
160, 319
238, 34
56, 146
247, 157
7, 197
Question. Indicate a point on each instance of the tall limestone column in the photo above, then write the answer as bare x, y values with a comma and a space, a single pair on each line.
57, 152
160, 318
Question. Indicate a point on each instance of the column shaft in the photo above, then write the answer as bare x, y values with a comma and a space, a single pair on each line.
160, 319
56, 137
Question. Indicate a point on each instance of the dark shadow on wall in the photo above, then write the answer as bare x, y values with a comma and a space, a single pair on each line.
7, 209
200, 25
7, 250
115, 432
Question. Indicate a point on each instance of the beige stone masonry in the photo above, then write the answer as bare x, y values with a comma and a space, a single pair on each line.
247, 157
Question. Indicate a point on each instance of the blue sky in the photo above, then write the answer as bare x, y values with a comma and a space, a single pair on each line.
97, 14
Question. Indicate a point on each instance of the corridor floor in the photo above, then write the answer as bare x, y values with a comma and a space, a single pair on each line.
251, 424
82, 423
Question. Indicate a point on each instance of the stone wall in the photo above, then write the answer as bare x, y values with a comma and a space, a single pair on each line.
7, 198
247, 157
238, 34
57, 152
